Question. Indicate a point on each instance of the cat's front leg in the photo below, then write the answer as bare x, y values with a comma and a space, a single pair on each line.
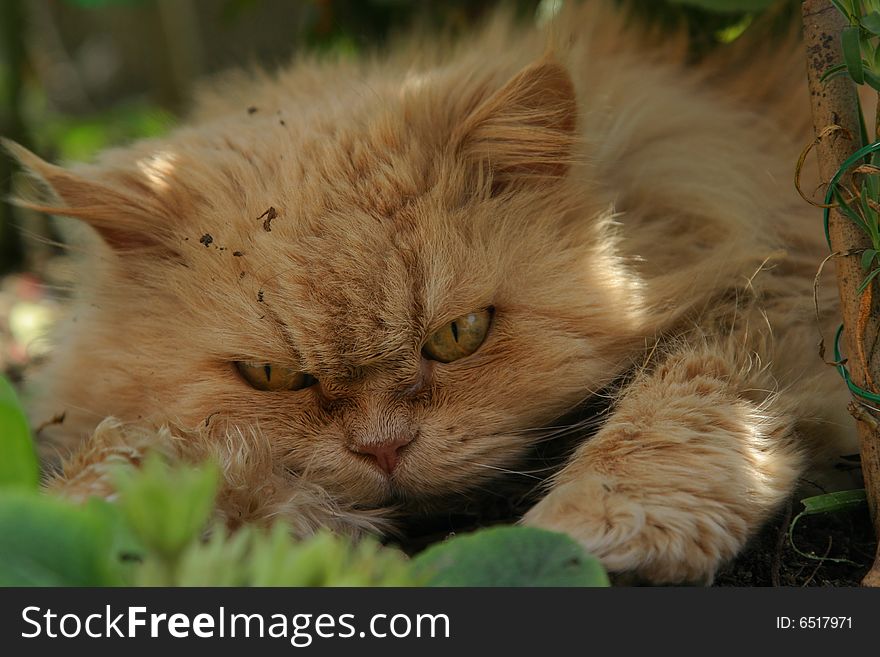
254, 487
90, 470
698, 453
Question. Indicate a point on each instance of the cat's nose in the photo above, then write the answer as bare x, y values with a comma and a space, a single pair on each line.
386, 453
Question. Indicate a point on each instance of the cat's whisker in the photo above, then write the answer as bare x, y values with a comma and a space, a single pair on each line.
557, 432
277, 274
546, 468
306, 469
39, 238
519, 432
82, 409
558, 435
505, 470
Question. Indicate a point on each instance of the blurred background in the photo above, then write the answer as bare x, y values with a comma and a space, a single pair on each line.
77, 76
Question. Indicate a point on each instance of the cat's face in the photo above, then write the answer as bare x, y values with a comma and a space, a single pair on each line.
397, 312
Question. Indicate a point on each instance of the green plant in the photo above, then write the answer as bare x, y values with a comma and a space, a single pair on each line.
836, 502
727, 5
18, 467
510, 556
160, 533
854, 190
860, 43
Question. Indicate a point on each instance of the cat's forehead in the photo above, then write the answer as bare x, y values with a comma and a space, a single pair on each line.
348, 259
360, 229
357, 167
358, 272
355, 202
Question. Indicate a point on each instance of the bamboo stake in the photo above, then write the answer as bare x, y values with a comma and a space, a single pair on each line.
835, 102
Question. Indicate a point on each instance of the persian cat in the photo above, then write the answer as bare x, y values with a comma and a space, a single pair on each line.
375, 288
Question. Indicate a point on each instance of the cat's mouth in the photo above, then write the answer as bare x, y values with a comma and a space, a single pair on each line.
385, 464
415, 484
439, 472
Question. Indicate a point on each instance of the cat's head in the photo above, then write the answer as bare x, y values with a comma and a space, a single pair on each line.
397, 289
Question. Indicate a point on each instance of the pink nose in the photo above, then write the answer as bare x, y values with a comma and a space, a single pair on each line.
385, 453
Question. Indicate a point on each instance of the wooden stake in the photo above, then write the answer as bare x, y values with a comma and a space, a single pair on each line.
835, 102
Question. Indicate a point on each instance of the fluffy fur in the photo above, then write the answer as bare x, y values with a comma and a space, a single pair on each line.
630, 219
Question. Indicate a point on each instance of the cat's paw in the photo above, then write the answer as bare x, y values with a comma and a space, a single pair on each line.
91, 470
634, 536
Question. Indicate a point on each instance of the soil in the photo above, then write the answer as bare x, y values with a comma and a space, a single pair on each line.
269, 215
843, 540
770, 560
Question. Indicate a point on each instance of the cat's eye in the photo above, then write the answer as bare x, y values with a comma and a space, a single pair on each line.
264, 376
459, 338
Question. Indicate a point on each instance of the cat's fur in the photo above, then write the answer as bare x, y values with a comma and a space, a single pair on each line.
630, 219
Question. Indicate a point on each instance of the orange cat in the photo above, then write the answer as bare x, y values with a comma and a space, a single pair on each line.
377, 285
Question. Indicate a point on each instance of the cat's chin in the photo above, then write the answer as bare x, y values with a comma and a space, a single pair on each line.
403, 489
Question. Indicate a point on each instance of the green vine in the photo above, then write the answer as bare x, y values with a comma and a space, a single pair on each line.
859, 201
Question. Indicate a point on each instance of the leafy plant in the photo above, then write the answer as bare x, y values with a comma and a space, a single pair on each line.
166, 507
510, 556
727, 5
160, 533
858, 198
47, 542
18, 465
828, 503
859, 42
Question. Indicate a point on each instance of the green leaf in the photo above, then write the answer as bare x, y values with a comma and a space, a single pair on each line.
872, 79
845, 208
872, 183
167, 507
870, 217
326, 560
832, 72
733, 32
845, 7
101, 4
316, 561
510, 556
832, 502
870, 277
47, 542
871, 22
18, 461
124, 540
727, 5
828, 503
852, 53
867, 258
222, 560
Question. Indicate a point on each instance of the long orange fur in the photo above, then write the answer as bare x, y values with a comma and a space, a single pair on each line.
621, 211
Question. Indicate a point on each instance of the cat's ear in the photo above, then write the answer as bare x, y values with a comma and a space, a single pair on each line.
116, 203
526, 129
